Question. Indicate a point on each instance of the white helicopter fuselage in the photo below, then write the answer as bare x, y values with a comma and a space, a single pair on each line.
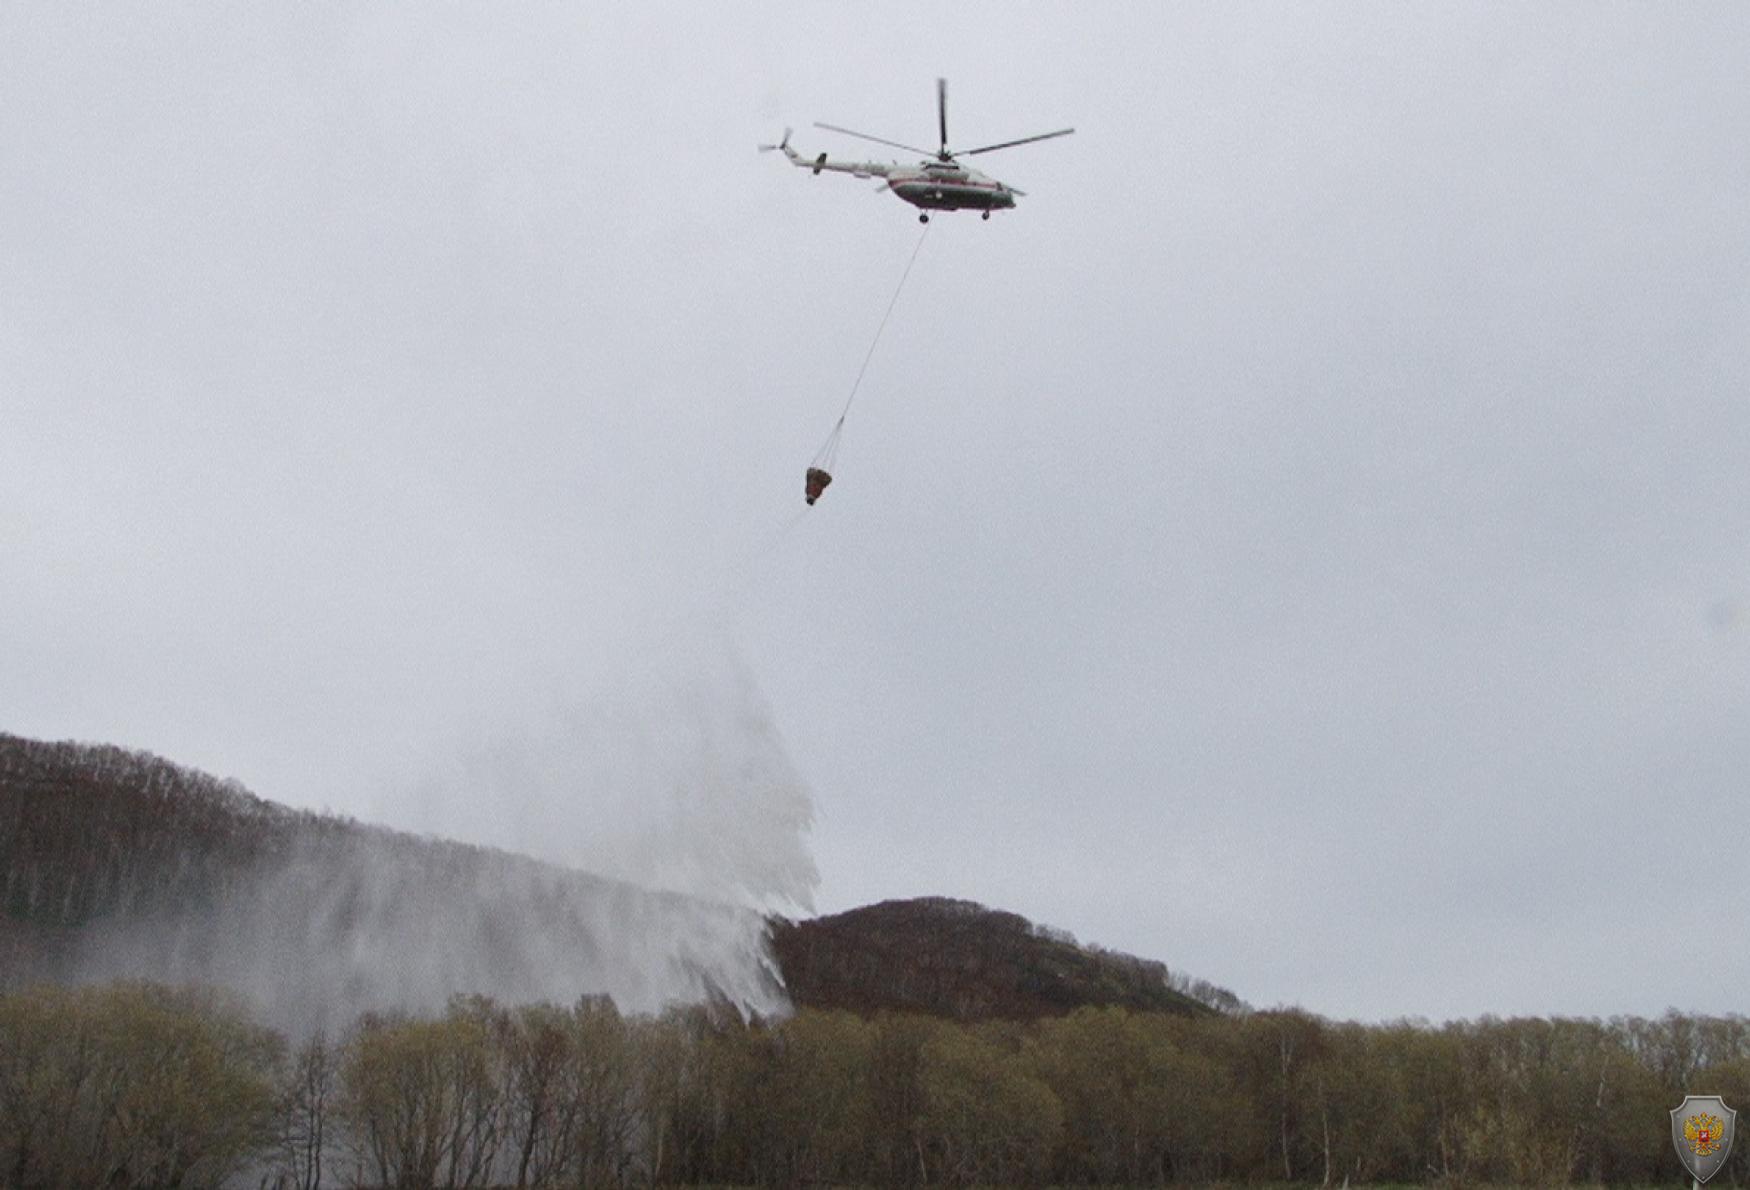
950, 188
929, 185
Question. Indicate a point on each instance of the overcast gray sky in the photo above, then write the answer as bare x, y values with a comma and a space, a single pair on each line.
1305, 542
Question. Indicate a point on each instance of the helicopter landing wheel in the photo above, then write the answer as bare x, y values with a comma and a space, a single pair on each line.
923, 218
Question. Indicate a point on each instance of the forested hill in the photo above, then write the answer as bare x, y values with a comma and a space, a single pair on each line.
116, 863
120, 864
960, 960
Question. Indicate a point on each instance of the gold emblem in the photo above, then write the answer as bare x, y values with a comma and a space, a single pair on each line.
1702, 1134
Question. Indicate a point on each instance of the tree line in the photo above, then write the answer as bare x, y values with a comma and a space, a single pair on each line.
141, 1085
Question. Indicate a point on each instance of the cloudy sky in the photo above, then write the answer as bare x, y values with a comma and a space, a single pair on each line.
1307, 541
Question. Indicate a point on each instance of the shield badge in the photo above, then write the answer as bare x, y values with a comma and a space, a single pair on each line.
1702, 1128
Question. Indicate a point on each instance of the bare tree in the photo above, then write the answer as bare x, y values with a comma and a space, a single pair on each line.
304, 1113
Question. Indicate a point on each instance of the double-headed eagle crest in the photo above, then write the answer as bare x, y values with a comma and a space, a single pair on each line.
1701, 1132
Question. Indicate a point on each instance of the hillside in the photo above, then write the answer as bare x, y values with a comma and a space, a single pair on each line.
116, 863
960, 960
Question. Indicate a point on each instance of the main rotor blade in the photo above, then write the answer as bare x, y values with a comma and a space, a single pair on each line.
878, 140
942, 114
1009, 144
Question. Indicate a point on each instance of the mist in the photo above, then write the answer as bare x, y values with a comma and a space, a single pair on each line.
120, 865
671, 775
385, 923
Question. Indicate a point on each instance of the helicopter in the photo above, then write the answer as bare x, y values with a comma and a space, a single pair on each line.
941, 184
